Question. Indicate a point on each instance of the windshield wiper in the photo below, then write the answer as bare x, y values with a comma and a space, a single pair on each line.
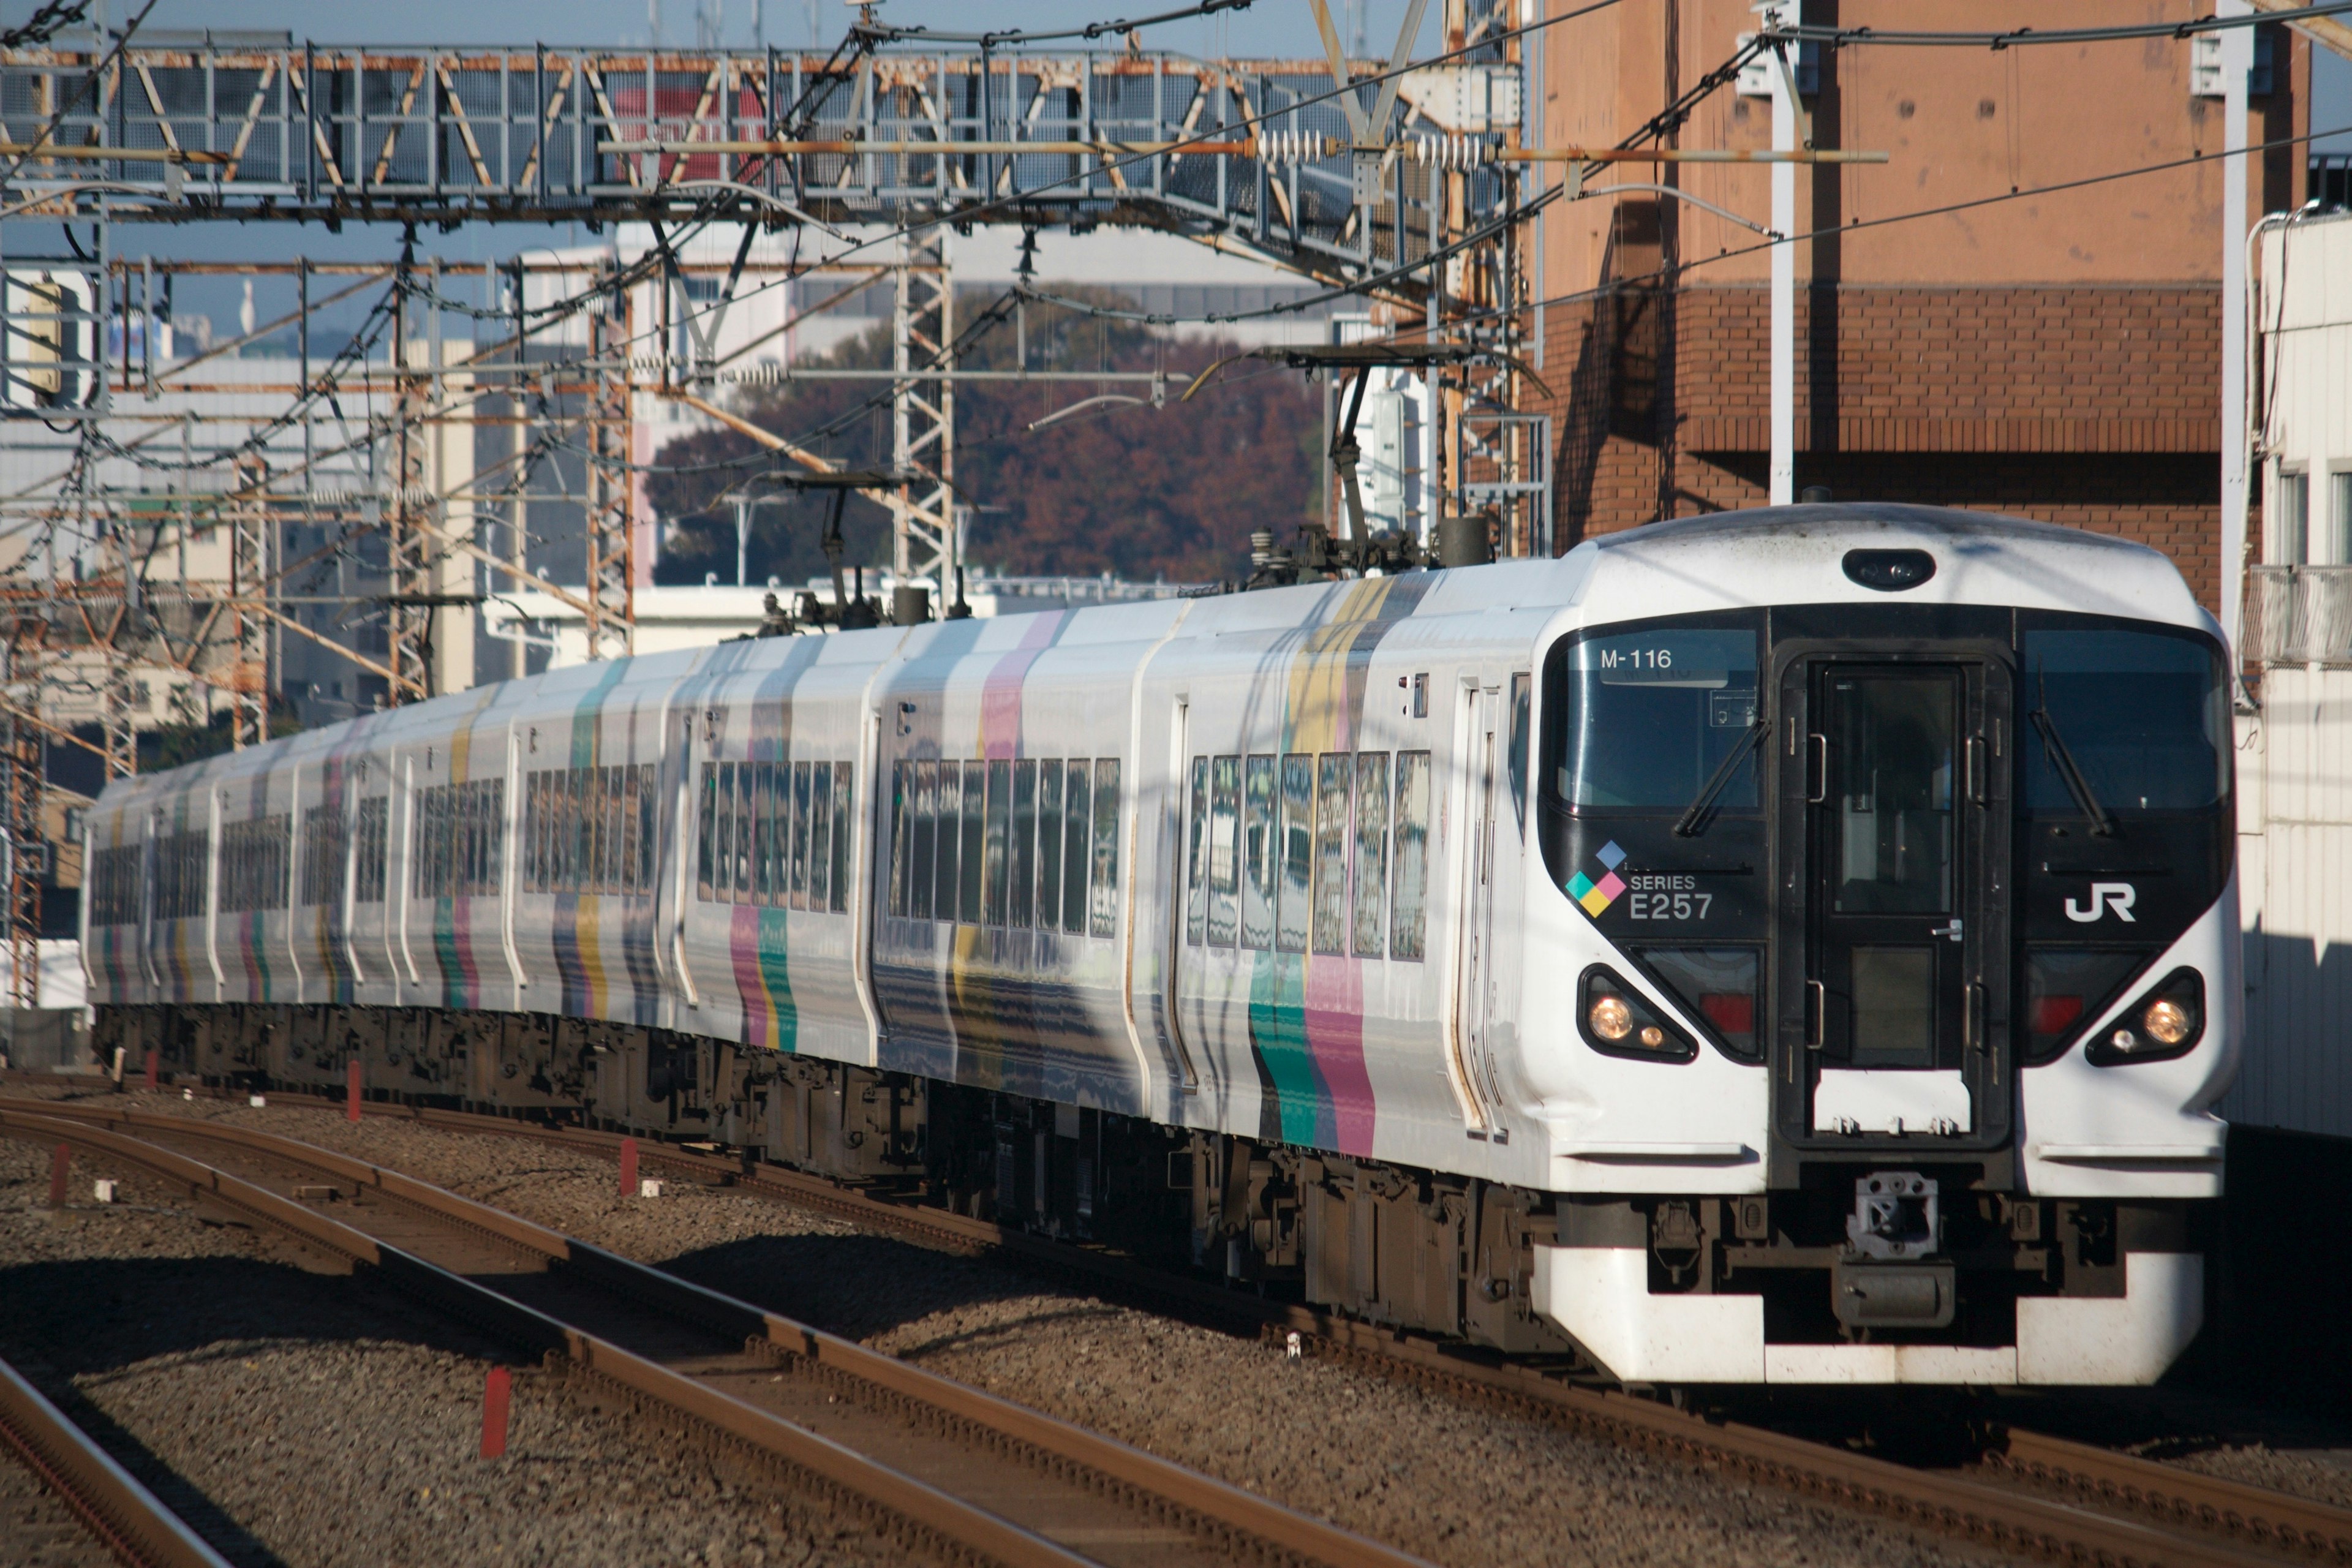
2103, 821
1692, 823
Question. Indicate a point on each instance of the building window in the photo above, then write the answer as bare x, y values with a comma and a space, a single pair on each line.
2337, 549
2291, 520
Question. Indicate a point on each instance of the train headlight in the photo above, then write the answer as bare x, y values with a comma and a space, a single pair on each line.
1611, 1018
2166, 1020
1618, 1021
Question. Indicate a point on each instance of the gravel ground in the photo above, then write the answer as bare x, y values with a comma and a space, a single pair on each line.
1455, 1485
311, 1421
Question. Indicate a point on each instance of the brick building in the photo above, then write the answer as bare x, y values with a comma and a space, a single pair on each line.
2055, 355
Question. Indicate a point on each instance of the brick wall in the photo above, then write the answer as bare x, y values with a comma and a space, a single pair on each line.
2096, 406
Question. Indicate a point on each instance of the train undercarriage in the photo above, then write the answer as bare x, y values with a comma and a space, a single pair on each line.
1444, 1254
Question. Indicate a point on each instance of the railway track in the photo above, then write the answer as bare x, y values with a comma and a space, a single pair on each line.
127, 1518
957, 1471
2038, 1496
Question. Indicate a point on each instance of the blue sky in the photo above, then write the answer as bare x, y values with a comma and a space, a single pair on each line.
1268, 27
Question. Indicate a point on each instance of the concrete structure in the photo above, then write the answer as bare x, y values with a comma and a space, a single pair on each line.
2055, 355
2295, 754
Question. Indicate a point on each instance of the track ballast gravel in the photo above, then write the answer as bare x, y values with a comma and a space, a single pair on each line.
1425, 1474
320, 1421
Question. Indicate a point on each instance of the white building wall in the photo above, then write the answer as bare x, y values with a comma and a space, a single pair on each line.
2295, 754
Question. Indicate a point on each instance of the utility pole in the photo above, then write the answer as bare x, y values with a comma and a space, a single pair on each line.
1783, 474
2237, 59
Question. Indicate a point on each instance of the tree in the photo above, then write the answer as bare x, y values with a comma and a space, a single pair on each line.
1146, 493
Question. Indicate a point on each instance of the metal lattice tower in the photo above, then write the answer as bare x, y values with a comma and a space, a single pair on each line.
20, 754
250, 524
409, 548
611, 483
922, 411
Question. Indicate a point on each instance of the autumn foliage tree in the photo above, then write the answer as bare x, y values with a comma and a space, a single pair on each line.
1168, 492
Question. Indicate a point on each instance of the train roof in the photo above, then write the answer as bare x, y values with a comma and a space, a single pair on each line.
1759, 556
1796, 554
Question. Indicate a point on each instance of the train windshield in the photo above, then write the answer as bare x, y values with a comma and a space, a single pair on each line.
1649, 718
2143, 716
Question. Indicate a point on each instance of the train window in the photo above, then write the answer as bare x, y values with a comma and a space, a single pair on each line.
1298, 851
325, 848
368, 857
777, 824
729, 821
533, 830
997, 845
792, 823
970, 852
1334, 796
114, 887
743, 781
902, 837
1409, 908
1196, 902
707, 845
1224, 850
923, 874
619, 857
1521, 700
461, 839
821, 837
949, 880
1258, 853
837, 885
2143, 715
1648, 716
801, 810
648, 823
1076, 855
635, 838
1368, 938
1049, 845
253, 865
1024, 911
179, 870
1104, 903
762, 830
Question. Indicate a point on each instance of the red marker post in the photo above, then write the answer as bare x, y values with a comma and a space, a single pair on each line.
154, 1070
497, 1395
351, 1095
628, 1167
60, 1162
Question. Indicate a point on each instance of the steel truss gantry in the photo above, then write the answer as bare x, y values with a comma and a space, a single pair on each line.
1365, 187
311, 133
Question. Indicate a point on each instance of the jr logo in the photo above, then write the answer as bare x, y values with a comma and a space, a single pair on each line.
2105, 895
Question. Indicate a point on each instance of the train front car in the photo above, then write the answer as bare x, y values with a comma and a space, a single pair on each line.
1887, 960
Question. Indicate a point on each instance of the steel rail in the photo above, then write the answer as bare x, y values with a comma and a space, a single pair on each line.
130, 1521
1229, 1513
2277, 1522
2250, 1521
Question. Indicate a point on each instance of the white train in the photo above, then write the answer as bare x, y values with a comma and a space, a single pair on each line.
1784, 946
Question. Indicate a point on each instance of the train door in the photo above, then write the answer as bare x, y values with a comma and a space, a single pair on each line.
1479, 747
1902, 1005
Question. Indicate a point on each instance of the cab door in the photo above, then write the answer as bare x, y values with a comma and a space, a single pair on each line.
1900, 845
